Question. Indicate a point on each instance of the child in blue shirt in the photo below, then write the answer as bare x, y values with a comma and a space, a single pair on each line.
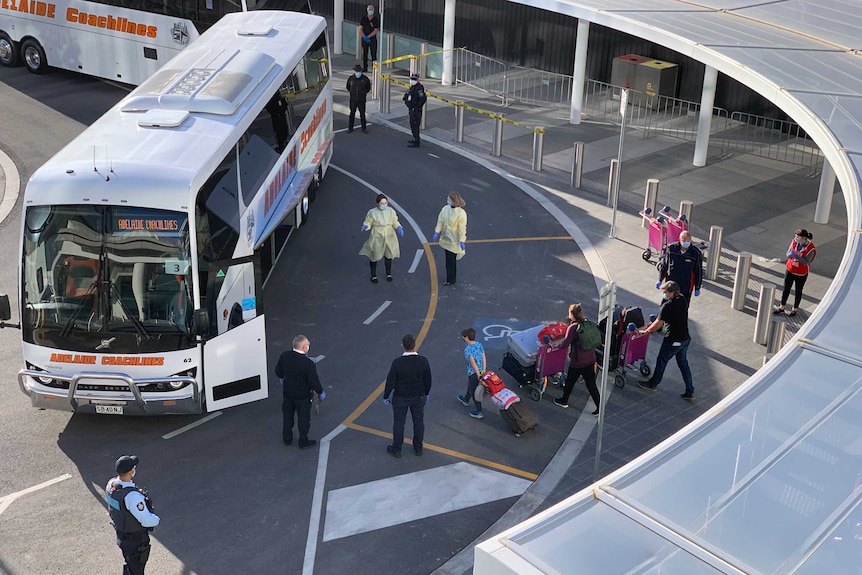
474, 353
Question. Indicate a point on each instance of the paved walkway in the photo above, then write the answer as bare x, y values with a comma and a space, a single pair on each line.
759, 203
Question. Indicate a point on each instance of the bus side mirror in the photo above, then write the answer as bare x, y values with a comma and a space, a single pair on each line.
5, 310
202, 322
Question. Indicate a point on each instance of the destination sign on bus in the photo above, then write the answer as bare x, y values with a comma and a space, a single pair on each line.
107, 359
146, 224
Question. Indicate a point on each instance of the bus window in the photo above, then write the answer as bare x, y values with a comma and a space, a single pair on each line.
307, 80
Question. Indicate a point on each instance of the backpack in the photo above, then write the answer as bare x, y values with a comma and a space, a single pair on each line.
492, 381
589, 336
553, 331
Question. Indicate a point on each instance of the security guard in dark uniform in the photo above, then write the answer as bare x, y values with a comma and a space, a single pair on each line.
132, 515
415, 98
299, 380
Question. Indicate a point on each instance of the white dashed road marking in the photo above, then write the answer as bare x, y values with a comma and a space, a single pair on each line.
380, 310
416, 259
7, 500
201, 421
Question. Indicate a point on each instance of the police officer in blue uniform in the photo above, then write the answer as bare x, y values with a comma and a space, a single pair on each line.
414, 99
132, 514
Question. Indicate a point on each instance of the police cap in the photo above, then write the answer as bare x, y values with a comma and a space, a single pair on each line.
414, 76
126, 463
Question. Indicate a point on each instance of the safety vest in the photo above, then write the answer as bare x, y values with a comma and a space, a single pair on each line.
793, 265
122, 518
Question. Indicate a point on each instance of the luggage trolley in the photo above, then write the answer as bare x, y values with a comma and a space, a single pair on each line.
628, 347
532, 364
661, 228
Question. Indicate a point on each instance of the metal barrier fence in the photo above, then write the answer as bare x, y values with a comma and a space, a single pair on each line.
537, 87
775, 139
480, 72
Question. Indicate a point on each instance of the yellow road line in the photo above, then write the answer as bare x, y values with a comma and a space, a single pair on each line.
450, 452
375, 395
423, 331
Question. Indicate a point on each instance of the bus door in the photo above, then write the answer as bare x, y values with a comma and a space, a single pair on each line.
235, 352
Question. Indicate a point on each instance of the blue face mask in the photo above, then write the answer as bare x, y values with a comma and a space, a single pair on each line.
383, 207
686, 245
664, 296
371, 12
448, 202
359, 74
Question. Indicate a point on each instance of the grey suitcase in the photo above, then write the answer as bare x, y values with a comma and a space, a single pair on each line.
524, 345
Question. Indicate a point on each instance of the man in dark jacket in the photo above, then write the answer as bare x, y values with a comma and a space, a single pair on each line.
407, 387
358, 86
298, 375
415, 98
369, 25
683, 265
674, 314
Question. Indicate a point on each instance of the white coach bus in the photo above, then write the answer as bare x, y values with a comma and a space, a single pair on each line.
146, 239
121, 40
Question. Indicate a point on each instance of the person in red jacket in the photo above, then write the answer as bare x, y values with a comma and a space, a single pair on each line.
799, 257
581, 363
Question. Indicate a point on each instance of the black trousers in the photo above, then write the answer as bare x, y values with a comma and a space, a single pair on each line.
415, 120
589, 375
387, 262
366, 46
451, 266
136, 550
302, 409
360, 105
400, 405
789, 280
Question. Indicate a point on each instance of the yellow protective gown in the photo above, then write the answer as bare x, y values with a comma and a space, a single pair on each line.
452, 227
382, 243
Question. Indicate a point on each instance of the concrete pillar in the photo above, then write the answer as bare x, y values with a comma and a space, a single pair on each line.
704, 121
338, 23
580, 71
448, 78
824, 194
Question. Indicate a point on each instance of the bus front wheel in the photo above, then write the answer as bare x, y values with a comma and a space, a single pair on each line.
34, 57
8, 51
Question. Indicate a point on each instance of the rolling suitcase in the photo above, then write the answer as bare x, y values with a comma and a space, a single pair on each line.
519, 418
525, 344
523, 374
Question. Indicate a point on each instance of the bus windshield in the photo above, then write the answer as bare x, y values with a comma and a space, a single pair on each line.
107, 278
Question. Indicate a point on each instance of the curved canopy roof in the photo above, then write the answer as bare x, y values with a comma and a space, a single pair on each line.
769, 480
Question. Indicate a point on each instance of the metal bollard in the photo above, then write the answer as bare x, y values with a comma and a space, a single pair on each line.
459, 121
775, 339
385, 95
375, 80
650, 199
414, 65
497, 144
740, 281
423, 60
713, 256
390, 50
423, 121
685, 210
612, 181
538, 148
577, 165
764, 312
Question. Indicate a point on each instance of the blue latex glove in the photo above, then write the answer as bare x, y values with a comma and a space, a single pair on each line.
696, 292
365, 39
400, 231
387, 401
435, 237
793, 254
322, 395
658, 284
427, 399
463, 246
363, 229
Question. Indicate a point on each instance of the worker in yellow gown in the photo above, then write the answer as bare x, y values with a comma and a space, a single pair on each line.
382, 221
451, 233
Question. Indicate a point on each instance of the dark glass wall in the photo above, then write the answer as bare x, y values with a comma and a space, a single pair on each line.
545, 40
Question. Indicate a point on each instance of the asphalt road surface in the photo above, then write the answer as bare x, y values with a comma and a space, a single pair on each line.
232, 497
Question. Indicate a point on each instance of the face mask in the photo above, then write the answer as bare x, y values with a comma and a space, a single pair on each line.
359, 74
686, 245
371, 12
801, 241
383, 206
664, 296
412, 82
448, 202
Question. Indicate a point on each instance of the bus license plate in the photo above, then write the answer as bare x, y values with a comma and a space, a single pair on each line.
110, 409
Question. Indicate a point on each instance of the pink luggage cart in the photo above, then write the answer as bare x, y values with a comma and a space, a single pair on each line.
550, 365
633, 350
662, 229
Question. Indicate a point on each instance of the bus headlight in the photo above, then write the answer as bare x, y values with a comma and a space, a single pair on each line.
45, 380
176, 384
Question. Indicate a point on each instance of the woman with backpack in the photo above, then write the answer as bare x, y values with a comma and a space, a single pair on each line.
582, 362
